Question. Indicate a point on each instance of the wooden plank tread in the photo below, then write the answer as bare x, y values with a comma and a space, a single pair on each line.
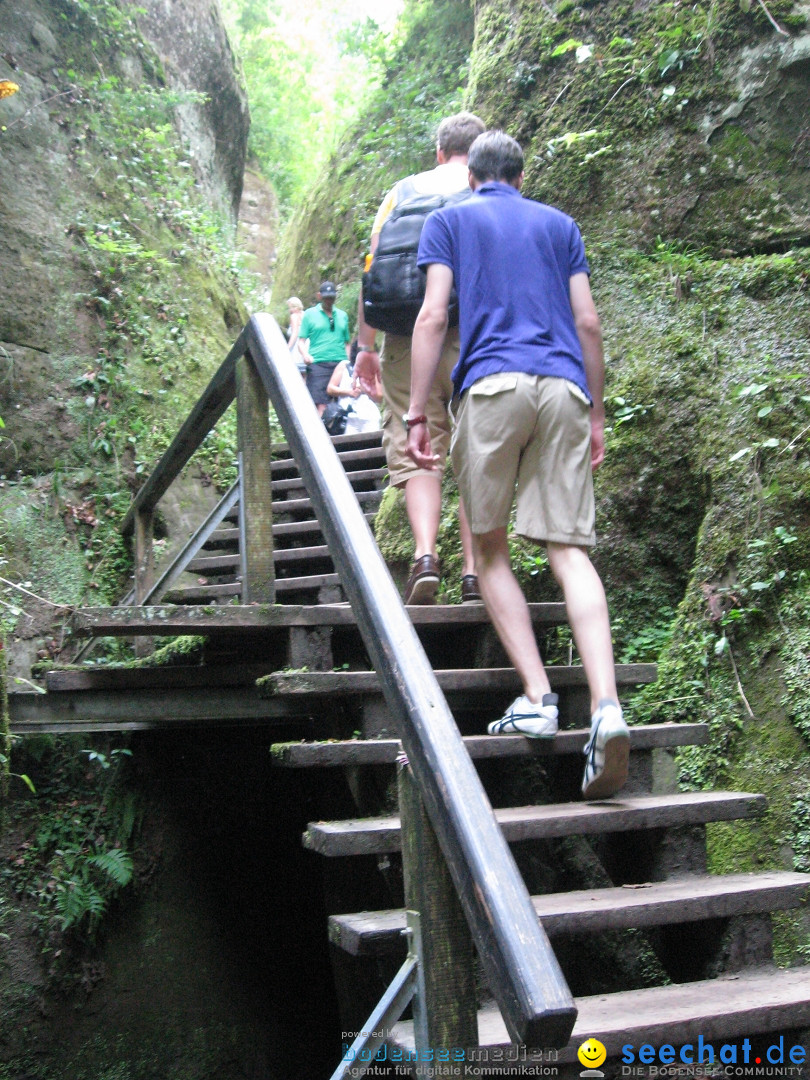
151, 709
340, 442
300, 755
238, 618
723, 1010
379, 835
281, 530
288, 506
464, 680
220, 563
145, 678
347, 457
292, 483
234, 588
375, 933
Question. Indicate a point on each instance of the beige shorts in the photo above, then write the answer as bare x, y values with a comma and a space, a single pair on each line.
396, 383
532, 433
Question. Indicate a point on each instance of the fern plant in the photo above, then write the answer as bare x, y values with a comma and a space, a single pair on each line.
84, 883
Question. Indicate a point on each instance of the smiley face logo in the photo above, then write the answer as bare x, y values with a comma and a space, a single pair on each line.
592, 1054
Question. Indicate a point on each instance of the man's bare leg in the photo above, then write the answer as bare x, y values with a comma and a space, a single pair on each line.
467, 552
586, 606
423, 502
507, 608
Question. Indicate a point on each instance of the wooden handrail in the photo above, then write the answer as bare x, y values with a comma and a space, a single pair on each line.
522, 970
215, 399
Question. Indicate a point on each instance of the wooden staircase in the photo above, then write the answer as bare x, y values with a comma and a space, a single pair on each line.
304, 570
654, 949
709, 936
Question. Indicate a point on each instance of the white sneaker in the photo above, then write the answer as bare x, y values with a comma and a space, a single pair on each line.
607, 752
524, 717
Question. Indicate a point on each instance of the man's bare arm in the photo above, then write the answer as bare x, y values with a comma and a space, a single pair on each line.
426, 351
589, 332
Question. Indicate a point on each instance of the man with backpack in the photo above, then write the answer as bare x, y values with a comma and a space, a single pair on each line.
530, 419
423, 487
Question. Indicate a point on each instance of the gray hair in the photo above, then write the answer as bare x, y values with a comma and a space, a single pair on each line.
495, 156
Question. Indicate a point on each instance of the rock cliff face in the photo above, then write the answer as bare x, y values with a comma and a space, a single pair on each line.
103, 104
686, 122
196, 55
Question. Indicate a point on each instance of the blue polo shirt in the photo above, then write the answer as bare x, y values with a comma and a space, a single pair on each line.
512, 259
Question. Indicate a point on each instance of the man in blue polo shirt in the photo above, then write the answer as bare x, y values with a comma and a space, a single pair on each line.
530, 420
324, 337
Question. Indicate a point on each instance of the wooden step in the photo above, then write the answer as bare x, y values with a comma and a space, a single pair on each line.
357, 476
195, 594
348, 752
453, 681
380, 835
721, 1011
297, 506
156, 678
353, 440
151, 709
165, 619
221, 564
660, 903
350, 459
281, 531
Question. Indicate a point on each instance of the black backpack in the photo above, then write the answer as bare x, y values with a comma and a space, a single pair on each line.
394, 286
336, 417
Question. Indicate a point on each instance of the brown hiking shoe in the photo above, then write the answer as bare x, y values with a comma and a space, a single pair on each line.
470, 593
423, 584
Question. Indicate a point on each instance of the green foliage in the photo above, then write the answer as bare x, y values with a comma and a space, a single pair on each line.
74, 862
800, 820
159, 263
424, 81
306, 72
644, 645
794, 652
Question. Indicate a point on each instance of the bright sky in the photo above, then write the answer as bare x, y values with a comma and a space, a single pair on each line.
346, 12
383, 12
317, 22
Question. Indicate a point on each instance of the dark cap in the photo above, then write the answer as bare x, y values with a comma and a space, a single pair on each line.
327, 288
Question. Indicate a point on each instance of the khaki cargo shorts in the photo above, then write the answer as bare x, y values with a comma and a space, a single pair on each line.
531, 433
396, 382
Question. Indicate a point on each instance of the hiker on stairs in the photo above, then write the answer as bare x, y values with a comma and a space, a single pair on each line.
324, 342
422, 487
529, 410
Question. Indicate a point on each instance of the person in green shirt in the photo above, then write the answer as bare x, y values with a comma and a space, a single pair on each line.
324, 338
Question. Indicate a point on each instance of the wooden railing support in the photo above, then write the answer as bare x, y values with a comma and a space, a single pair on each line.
446, 948
255, 503
144, 554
